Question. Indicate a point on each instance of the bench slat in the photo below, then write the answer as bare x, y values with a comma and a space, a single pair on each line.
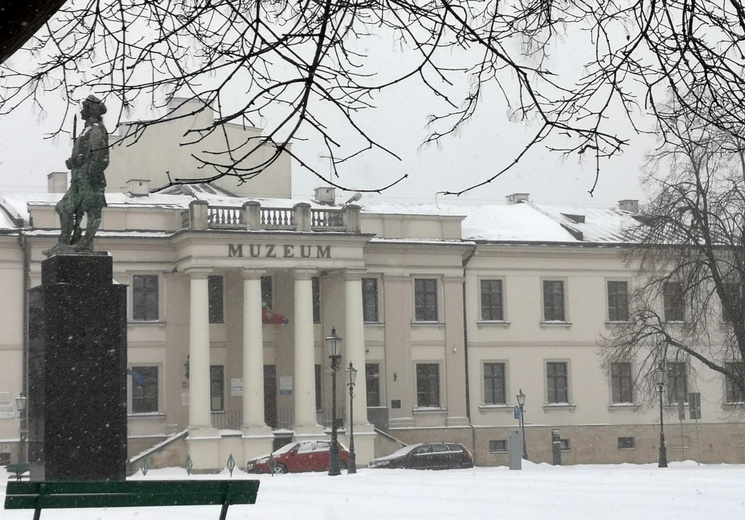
50, 495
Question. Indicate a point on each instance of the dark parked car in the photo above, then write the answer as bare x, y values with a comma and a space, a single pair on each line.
297, 457
428, 455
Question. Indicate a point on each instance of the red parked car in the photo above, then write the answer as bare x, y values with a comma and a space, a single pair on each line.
297, 457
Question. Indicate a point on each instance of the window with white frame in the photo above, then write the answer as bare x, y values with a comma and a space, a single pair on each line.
674, 301
372, 383
494, 384
145, 297
144, 387
370, 300
266, 292
428, 385
734, 392
557, 382
492, 308
217, 388
618, 301
677, 382
215, 289
316, 289
553, 300
621, 382
425, 299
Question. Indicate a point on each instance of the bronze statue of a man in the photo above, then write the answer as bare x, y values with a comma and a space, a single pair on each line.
89, 159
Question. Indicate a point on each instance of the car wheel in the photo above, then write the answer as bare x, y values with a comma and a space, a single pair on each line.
280, 468
342, 465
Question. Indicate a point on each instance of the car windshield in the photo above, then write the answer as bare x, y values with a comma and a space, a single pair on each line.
285, 448
401, 451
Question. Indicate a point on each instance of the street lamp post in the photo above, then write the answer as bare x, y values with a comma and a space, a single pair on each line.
21, 402
352, 466
659, 379
333, 343
521, 404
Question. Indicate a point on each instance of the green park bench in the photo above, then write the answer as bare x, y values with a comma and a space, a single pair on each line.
129, 493
17, 470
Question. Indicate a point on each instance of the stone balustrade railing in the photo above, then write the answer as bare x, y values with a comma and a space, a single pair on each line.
253, 217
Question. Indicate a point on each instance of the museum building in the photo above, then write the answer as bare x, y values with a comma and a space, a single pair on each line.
447, 312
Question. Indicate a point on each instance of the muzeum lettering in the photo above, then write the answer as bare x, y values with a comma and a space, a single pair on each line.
278, 251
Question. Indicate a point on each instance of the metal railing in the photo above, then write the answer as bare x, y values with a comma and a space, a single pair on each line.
233, 419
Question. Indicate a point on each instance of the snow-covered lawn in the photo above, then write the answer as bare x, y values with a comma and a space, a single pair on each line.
538, 491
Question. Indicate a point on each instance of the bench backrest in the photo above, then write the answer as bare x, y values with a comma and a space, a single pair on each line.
42, 495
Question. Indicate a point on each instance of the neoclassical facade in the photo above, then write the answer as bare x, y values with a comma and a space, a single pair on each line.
446, 312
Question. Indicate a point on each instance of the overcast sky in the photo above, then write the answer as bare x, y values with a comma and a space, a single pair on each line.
485, 145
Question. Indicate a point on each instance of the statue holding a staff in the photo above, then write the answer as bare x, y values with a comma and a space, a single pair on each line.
85, 196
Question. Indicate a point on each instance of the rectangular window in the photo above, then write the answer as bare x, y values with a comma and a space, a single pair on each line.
491, 300
674, 302
494, 383
618, 301
557, 382
732, 302
217, 388
316, 282
145, 297
372, 383
266, 292
144, 389
498, 446
565, 445
626, 443
677, 384
553, 300
425, 299
428, 385
621, 382
734, 393
216, 299
370, 300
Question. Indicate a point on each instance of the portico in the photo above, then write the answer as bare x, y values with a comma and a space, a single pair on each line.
316, 282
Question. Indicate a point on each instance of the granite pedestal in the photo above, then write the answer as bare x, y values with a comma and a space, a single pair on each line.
77, 407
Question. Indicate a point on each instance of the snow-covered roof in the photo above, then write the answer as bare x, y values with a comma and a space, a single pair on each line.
523, 222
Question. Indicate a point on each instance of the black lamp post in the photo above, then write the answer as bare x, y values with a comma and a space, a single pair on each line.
521, 404
21, 402
352, 466
659, 379
333, 343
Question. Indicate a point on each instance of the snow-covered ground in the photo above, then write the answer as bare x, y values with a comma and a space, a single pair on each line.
538, 491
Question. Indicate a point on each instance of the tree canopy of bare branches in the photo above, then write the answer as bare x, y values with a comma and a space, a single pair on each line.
688, 303
314, 69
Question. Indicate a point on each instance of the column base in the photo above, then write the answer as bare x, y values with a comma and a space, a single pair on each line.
364, 443
309, 431
204, 450
257, 441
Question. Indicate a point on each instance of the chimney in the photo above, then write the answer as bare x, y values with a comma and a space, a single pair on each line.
518, 197
630, 205
138, 187
57, 182
325, 196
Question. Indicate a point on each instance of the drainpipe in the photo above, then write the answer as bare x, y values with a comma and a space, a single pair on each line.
26, 254
466, 260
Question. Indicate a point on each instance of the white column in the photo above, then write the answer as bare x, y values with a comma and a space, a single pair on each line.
354, 343
305, 376
199, 353
253, 352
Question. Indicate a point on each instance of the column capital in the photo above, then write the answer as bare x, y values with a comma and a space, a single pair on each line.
354, 274
198, 272
250, 273
304, 274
